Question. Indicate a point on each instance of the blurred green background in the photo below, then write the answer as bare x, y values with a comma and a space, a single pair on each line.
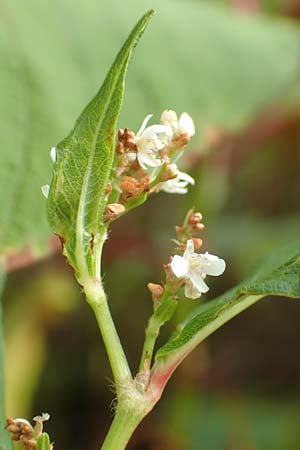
234, 66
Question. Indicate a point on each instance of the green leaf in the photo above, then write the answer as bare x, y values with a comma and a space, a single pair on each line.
222, 68
278, 275
43, 442
5, 441
83, 165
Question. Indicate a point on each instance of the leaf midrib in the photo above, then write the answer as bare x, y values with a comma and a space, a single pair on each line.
79, 249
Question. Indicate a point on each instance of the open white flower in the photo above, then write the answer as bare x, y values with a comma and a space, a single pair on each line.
178, 184
149, 141
183, 125
193, 268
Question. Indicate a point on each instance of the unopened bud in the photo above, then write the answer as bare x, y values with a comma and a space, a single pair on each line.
169, 118
130, 186
197, 243
112, 211
194, 222
120, 134
195, 218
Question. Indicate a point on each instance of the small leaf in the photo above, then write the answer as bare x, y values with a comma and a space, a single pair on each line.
83, 164
278, 275
5, 441
43, 442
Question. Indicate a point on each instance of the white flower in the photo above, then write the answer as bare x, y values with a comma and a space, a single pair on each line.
193, 268
45, 190
178, 184
184, 125
149, 142
53, 154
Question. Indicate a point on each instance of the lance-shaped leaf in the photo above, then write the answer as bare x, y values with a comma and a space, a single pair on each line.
279, 275
83, 164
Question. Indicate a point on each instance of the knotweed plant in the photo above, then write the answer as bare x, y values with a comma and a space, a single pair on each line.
100, 174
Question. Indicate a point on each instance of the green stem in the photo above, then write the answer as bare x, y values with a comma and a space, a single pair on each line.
151, 334
162, 314
97, 299
121, 430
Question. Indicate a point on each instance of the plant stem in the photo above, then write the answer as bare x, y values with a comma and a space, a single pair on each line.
97, 299
162, 314
121, 430
151, 334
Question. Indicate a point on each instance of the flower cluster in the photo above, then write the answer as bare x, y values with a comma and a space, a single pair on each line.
192, 269
145, 163
187, 268
21, 430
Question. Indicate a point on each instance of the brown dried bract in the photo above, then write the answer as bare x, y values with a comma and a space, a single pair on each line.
112, 211
156, 291
126, 138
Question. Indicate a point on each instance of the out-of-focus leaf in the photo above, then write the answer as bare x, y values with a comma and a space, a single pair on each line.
278, 275
199, 57
83, 164
5, 441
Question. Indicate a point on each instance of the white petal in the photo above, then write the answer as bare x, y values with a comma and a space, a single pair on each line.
153, 130
186, 124
190, 290
45, 190
198, 281
53, 154
213, 265
173, 187
179, 266
189, 249
144, 124
170, 119
186, 177
147, 160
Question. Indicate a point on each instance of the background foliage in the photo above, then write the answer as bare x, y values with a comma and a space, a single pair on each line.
235, 69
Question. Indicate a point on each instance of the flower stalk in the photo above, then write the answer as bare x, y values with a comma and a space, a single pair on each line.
162, 314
